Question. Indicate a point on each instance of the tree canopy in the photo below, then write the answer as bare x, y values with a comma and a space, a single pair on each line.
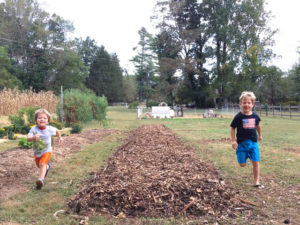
205, 53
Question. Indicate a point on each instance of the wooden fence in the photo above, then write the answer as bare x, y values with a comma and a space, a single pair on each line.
284, 111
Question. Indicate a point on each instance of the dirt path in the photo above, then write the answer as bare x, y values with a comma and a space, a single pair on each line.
17, 165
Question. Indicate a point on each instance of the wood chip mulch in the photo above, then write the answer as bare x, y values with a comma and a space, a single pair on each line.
155, 175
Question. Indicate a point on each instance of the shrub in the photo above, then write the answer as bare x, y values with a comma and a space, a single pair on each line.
18, 124
57, 124
29, 112
134, 105
8, 129
99, 106
17, 121
2, 132
23, 143
25, 129
82, 107
76, 128
152, 103
11, 135
292, 103
76, 108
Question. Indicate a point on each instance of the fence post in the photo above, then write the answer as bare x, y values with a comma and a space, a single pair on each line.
273, 110
290, 112
266, 108
260, 110
280, 111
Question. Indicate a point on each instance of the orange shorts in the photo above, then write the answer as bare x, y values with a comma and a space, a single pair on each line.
43, 160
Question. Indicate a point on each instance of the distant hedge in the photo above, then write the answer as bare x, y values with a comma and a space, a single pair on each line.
81, 107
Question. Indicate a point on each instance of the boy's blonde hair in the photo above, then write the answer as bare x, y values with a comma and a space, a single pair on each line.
40, 111
248, 94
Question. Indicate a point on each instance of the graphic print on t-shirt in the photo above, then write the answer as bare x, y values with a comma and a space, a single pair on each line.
249, 123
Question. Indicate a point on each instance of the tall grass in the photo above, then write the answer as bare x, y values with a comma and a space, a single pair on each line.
12, 100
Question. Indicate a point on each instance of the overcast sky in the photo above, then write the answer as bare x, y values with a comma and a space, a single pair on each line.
115, 23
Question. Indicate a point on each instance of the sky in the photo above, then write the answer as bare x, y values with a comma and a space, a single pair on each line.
115, 25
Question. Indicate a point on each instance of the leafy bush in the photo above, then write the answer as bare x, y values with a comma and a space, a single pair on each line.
99, 106
76, 108
29, 112
152, 103
17, 122
76, 128
11, 135
25, 129
134, 105
8, 129
292, 103
79, 106
57, 124
2, 132
23, 143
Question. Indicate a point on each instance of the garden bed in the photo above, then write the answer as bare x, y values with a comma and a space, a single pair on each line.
17, 164
154, 175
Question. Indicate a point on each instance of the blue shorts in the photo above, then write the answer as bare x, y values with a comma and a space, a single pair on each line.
247, 149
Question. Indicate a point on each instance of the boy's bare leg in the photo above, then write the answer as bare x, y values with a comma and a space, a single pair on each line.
42, 169
256, 172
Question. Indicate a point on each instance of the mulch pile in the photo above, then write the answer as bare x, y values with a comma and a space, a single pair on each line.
154, 175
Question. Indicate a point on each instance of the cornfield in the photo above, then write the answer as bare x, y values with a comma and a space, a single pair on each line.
12, 100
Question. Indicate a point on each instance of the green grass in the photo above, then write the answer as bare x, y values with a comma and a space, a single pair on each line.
205, 135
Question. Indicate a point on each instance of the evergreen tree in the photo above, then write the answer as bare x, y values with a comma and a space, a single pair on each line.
7, 79
145, 64
105, 77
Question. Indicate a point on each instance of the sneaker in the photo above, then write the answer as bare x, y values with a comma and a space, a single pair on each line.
49, 167
259, 186
40, 183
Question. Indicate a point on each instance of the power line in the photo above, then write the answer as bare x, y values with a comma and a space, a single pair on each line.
6, 39
23, 44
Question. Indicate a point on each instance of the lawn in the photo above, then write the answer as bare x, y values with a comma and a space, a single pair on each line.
280, 166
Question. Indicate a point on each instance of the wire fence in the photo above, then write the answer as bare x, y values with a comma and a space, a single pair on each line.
283, 111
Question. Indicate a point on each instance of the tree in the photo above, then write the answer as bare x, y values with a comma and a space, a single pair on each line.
144, 62
189, 27
70, 72
87, 49
294, 76
33, 38
6, 78
105, 77
216, 37
130, 89
167, 50
269, 88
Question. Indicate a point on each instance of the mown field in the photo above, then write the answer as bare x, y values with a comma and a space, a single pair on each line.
280, 166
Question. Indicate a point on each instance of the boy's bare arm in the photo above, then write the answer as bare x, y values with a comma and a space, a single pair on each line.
233, 140
258, 128
33, 138
60, 140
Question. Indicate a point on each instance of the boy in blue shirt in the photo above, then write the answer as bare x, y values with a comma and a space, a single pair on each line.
244, 142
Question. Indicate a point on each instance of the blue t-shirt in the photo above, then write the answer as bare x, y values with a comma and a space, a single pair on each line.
246, 126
